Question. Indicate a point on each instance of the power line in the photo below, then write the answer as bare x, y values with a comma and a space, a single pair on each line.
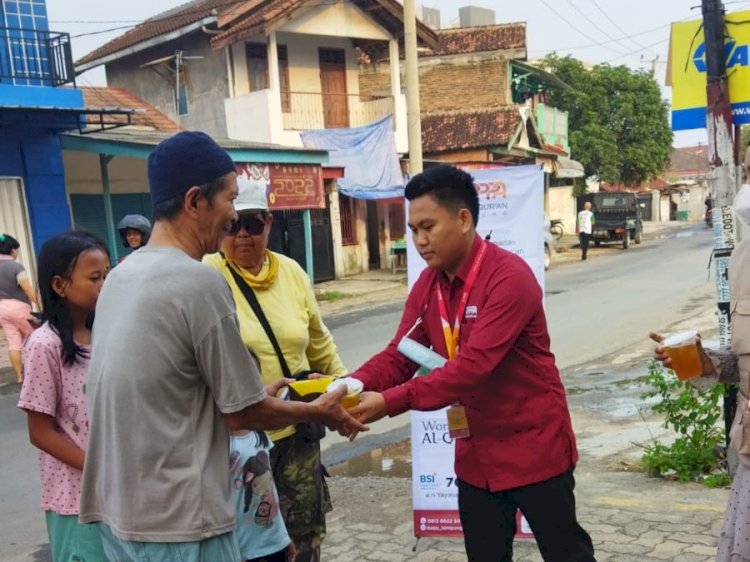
600, 43
100, 31
587, 36
614, 23
173, 13
636, 52
588, 19
79, 22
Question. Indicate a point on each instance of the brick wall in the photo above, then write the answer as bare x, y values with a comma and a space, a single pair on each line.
375, 78
473, 85
464, 83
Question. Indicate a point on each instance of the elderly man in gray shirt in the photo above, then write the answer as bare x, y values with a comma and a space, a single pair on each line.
170, 376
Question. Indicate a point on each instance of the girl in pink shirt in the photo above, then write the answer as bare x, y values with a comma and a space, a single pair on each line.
72, 268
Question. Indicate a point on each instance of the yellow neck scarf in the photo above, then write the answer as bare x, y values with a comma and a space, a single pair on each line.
266, 276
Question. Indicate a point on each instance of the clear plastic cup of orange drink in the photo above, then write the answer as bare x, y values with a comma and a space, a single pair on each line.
682, 349
354, 388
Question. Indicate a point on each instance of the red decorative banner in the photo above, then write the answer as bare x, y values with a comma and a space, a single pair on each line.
296, 186
288, 186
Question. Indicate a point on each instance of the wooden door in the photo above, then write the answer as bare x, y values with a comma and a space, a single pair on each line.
333, 88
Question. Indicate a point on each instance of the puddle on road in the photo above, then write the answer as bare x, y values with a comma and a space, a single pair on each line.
392, 461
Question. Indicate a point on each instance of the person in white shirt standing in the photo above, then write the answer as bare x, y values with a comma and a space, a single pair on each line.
584, 228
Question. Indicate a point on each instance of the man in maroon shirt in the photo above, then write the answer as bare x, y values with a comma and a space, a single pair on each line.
519, 450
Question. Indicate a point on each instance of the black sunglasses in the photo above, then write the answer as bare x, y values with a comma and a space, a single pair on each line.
253, 224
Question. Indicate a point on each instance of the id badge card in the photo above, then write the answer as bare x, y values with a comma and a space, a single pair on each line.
458, 423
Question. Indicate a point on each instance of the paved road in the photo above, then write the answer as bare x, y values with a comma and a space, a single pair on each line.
613, 300
594, 308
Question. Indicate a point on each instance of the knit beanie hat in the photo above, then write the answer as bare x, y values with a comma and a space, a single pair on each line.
182, 161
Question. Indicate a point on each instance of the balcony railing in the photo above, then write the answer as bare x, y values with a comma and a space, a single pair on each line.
305, 110
30, 57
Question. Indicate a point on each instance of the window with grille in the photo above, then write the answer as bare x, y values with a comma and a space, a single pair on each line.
257, 71
348, 214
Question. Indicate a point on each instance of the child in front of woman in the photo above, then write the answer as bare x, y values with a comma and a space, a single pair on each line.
260, 531
72, 267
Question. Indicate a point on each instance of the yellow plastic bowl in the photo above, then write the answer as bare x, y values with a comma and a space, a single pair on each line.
305, 391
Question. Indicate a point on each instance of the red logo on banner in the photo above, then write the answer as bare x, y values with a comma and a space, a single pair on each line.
492, 189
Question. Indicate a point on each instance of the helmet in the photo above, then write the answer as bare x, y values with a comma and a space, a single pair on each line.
135, 222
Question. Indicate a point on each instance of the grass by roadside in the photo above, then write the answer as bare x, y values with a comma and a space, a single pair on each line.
332, 296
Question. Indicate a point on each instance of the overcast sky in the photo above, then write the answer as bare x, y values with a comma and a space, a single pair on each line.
631, 32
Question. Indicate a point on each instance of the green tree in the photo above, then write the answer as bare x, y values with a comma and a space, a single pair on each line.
618, 122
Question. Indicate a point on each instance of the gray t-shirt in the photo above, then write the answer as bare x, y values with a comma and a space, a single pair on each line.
11, 272
167, 359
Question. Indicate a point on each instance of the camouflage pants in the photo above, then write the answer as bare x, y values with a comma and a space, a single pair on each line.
303, 494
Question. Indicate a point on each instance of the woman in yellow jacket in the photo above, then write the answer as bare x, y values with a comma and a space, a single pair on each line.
285, 295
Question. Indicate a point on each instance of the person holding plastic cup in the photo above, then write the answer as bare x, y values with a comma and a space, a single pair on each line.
728, 364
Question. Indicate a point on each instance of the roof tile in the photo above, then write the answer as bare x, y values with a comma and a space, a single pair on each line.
457, 130
688, 160
262, 15
161, 24
122, 98
477, 39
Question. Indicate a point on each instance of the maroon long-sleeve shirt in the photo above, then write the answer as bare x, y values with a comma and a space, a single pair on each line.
504, 375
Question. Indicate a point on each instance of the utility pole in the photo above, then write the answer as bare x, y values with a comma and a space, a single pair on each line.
412, 88
723, 170
177, 64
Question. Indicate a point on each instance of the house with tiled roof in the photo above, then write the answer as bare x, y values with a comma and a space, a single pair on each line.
266, 71
483, 104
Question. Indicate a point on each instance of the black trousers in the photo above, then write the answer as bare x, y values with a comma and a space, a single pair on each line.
489, 524
585, 238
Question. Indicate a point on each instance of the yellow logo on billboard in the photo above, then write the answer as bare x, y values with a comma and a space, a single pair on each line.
687, 71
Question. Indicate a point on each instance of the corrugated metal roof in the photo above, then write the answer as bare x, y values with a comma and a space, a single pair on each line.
152, 138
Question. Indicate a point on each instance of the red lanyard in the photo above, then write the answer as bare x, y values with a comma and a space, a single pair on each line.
451, 333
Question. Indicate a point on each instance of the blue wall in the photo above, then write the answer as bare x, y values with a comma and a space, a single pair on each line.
34, 154
36, 96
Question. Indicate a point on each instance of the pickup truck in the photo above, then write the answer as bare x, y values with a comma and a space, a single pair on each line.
617, 218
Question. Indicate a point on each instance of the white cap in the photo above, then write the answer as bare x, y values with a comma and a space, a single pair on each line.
252, 194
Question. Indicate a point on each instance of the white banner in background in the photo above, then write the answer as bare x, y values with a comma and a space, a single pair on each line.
511, 212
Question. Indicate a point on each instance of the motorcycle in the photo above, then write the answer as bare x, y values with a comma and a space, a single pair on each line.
709, 218
557, 228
